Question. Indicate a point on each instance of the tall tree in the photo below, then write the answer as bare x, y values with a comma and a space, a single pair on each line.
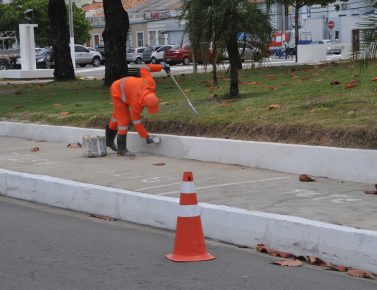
221, 21
57, 13
115, 39
13, 13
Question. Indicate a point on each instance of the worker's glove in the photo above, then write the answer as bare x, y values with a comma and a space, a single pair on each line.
149, 140
166, 68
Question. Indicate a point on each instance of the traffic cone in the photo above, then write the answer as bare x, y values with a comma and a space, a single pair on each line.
189, 245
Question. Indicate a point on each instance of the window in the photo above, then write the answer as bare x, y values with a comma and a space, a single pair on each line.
96, 40
152, 37
336, 34
344, 6
140, 38
161, 37
80, 49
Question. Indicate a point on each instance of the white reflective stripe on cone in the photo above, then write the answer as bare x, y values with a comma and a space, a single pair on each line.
188, 187
188, 211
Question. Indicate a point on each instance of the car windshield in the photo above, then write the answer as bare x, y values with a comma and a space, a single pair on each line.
130, 50
177, 47
42, 51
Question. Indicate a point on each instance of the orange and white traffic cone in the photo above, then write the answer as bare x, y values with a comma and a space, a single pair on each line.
189, 245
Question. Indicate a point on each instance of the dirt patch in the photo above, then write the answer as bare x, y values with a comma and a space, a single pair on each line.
346, 138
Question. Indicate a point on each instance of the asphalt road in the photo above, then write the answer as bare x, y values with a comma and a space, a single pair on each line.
48, 248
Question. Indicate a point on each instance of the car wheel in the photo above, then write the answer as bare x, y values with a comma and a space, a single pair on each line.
153, 60
3, 66
186, 61
96, 62
138, 60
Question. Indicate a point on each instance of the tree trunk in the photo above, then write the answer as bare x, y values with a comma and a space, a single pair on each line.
115, 40
63, 68
232, 48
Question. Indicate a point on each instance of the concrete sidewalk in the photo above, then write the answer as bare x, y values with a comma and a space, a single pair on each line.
329, 218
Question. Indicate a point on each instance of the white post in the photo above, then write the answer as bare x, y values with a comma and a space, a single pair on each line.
71, 35
27, 46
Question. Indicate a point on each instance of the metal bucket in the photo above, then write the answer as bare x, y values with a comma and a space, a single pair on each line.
94, 146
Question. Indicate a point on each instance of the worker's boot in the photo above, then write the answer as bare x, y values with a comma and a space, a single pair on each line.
122, 146
110, 137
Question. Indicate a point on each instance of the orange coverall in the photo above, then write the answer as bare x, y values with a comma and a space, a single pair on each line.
128, 96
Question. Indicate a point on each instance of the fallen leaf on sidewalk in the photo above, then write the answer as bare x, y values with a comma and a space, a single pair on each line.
262, 248
74, 145
360, 273
102, 217
276, 253
289, 263
159, 164
34, 149
305, 178
372, 191
315, 261
337, 268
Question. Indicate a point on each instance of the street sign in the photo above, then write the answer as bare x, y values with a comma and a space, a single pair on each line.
330, 24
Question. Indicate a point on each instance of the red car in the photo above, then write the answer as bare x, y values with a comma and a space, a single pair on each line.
179, 54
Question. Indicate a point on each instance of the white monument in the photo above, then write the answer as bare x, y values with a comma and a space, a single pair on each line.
27, 46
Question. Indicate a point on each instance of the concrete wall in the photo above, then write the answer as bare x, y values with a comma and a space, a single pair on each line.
310, 53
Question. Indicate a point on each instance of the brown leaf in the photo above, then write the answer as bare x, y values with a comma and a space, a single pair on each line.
34, 149
102, 217
334, 82
63, 114
159, 164
289, 263
274, 107
305, 178
272, 88
276, 253
374, 79
360, 273
337, 268
374, 192
262, 248
315, 261
74, 145
164, 103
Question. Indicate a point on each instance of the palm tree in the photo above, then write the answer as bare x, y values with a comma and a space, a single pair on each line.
367, 46
221, 22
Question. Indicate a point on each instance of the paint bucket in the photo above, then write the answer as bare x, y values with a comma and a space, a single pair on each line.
94, 146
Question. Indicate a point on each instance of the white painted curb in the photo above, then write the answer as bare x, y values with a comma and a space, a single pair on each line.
338, 163
299, 236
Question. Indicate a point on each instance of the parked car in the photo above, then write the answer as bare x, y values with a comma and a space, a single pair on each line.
40, 58
147, 53
332, 46
135, 54
158, 55
179, 54
101, 50
83, 57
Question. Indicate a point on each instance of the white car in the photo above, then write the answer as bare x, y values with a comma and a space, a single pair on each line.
158, 55
135, 54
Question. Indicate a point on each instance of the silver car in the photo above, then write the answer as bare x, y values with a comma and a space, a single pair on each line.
135, 54
83, 56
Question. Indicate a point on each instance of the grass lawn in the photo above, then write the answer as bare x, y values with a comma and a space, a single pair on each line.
307, 107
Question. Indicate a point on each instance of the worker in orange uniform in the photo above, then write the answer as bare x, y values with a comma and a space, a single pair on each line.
130, 95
